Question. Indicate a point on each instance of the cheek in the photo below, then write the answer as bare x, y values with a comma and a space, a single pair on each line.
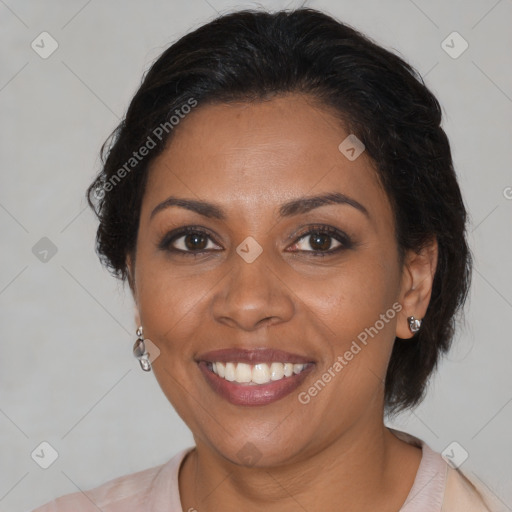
355, 295
171, 308
172, 313
357, 308
166, 300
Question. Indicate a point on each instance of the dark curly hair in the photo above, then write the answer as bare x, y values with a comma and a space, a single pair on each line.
254, 55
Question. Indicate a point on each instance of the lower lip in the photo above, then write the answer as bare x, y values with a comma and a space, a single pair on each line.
250, 394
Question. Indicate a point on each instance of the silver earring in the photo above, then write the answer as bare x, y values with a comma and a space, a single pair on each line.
139, 351
414, 324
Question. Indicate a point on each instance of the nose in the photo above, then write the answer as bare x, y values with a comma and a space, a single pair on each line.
252, 295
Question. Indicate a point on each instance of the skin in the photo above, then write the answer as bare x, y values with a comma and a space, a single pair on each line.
249, 159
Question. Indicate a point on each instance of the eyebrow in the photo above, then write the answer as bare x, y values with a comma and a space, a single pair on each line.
295, 207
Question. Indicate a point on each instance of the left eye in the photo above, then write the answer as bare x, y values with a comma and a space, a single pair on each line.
193, 241
319, 241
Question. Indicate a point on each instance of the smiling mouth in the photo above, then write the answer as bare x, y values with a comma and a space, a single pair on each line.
255, 374
254, 377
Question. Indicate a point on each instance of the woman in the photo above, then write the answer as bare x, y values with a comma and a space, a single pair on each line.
282, 201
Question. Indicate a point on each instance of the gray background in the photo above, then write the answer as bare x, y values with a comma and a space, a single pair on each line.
66, 369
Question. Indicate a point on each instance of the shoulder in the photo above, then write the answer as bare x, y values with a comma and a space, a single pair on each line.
441, 488
110, 494
135, 492
463, 494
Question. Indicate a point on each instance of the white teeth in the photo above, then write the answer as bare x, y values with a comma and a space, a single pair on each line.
230, 372
276, 371
243, 372
297, 368
260, 373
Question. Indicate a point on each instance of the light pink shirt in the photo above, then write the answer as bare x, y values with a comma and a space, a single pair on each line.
437, 488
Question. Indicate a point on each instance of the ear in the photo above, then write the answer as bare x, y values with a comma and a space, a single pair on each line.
416, 286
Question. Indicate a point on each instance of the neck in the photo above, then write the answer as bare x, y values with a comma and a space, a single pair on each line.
362, 469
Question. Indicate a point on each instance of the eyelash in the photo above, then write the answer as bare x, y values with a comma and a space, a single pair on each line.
339, 236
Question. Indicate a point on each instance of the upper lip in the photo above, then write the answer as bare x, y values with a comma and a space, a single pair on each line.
254, 356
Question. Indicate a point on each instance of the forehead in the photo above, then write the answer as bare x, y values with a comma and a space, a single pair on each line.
261, 154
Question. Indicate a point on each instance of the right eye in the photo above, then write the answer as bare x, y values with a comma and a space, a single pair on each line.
189, 240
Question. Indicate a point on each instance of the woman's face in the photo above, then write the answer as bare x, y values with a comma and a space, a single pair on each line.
264, 269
